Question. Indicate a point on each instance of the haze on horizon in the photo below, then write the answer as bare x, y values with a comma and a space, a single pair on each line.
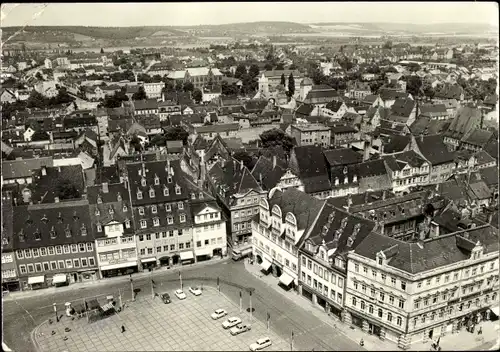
189, 14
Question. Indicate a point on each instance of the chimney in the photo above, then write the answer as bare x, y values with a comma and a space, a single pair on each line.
260, 179
59, 169
105, 188
274, 162
366, 151
241, 164
56, 199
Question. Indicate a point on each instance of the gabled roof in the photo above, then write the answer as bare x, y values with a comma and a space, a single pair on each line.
433, 253
478, 137
304, 207
489, 175
342, 156
221, 128
449, 91
23, 168
311, 168
433, 149
268, 174
396, 143
403, 107
426, 125
150, 104
304, 109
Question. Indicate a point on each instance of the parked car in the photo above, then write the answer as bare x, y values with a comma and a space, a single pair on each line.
231, 322
219, 313
260, 344
195, 290
165, 297
180, 294
239, 329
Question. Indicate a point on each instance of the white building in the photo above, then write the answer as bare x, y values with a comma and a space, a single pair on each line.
283, 219
153, 90
414, 292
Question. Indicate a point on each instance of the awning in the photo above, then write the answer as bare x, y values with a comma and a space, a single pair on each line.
147, 260
59, 278
265, 265
203, 251
495, 310
286, 279
36, 280
187, 255
118, 266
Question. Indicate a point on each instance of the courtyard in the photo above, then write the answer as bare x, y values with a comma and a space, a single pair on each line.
153, 326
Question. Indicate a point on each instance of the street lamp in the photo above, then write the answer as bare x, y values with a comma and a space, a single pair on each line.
55, 311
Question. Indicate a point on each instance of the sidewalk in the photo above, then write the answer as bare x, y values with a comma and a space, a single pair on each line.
103, 282
372, 343
464, 341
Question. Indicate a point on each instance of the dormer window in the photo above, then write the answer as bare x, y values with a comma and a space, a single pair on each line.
75, 216
21, 237
127, 223
97, 212
201, 195
84, 230
99, 227
193, 196
111, 211
125, 208
151, 193
119, 197
157, 180
168, 207
165, 191
355, 179
156, 222
143, 182
52, 233
336, 181
99, 200
177, 189
346, 180
67, 232
141, 211
44, 218
180, 205
139, 194
154, 209
169, 179
38, 235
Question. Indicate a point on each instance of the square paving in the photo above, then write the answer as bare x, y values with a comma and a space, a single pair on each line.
153, 326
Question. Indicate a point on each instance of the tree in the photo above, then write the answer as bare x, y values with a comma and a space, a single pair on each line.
135, 143
179, 86
254, 71
292, 67
159, 140
168, 88
283, 80
188, 87
414, 67
414, 85
102, 51
375, 86
66, 190
291, 85
280, 66
140, 94
276, 137
176, 134
197, 95
268, 67
240, 71
39, 76
388, 45
229, 89
247, 159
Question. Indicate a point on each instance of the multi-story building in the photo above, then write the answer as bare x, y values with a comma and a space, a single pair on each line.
113, 227
209, 226
238, 193
153, 90
54, 243
311, 135
10, 281
198, 76
432, 148
323, 256
161, 210
407, 169
281, 222
413, 292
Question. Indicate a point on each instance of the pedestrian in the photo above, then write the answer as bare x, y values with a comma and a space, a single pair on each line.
362, 343
123, 329
472, 329
480, 331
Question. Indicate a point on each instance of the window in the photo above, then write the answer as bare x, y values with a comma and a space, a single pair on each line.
382, 296
198, 243
69, 263
156, 222
53, 265
139, 194
20, 254
401, 304
76, 263
380, 313
27, 253
188, 244
389, 317
170, 220
341, 282
172, 247
22, 269
84, 262
143, 224
416, 305
58, 250
35, 252
143, 251
391, 300
91, 261
165, 192
354, 301
141, 210
150, 250
158, 249
399, 321
148, 237
181, 206
82, 247
393, 281
419, 284
372, 292
51, 250
154, 209
151, 193
66, 248
90, 246
177, 190
370, 309
183, 218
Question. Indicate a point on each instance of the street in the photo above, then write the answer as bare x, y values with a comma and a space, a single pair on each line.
24, 314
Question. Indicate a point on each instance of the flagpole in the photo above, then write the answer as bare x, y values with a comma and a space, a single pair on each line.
241, 303
250, 305
132, 288
268, 320
291, 342
152, 287
180, 278
120, 298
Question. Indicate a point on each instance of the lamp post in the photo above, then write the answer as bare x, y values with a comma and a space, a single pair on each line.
55, 311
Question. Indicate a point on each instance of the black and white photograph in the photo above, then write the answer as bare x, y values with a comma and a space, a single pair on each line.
263, 176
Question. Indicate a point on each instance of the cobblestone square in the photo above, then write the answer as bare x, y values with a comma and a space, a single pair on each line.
153, 326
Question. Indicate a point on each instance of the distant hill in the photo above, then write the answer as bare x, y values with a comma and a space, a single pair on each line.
407, 28
253, 27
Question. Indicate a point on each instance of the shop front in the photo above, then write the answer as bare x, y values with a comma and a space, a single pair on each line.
265, 266
148, 263
203, 254
286, 281
59, 280
118, 269
10, 284
165, 261
37, 282
186, 257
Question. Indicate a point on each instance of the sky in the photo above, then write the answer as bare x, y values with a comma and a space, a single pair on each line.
189, 13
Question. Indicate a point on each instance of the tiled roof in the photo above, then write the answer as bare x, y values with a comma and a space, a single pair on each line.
449, 91
489, 175
434, 149
7, 221
403, 107
264, 172
396, 143
304, 109
23, 168
304, 207
311, 168
425, 125
371, 168
465, 120
218, 128
57, 217
342, 156
433, 253
478, 137
150, 104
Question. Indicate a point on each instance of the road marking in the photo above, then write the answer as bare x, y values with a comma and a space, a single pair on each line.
25, 311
